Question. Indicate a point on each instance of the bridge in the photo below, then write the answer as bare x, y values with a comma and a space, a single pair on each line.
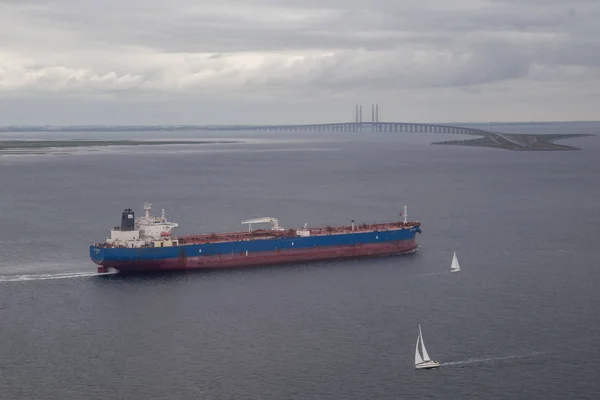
486, 138
375, 125
370, 126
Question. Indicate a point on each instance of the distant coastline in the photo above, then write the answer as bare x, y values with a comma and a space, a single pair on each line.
167, 127
519, 142
489, 139
37, 146
104, 128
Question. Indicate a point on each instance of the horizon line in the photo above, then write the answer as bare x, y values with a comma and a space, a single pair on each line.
290, 124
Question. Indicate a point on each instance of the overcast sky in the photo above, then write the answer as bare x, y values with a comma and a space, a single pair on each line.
297, 61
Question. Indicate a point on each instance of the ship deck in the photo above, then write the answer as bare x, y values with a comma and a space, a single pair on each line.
258, 234
290, 233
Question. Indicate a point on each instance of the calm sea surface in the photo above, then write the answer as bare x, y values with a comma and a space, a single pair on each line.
521, 320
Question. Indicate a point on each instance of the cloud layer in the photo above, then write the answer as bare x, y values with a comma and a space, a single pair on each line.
135, 51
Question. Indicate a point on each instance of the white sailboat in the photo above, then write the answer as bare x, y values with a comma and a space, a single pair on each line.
423, 362
454, 267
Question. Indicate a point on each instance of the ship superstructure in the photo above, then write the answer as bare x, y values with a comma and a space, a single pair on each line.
143, 231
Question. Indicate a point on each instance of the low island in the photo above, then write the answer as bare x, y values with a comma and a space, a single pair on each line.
518, 142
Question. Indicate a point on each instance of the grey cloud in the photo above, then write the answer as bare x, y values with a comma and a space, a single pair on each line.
131, 48
214, 30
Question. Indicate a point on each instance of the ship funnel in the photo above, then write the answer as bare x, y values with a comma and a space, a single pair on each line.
127, 220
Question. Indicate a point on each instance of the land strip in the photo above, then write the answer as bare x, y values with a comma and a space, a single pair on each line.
35, 146
518, 142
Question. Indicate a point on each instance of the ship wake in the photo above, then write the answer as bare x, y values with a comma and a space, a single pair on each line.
43, 277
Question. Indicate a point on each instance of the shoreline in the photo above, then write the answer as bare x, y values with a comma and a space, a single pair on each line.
519, 142
36, 146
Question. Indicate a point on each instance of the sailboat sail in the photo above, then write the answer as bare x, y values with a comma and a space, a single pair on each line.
418, 359
423, 362
425, 355
455, 267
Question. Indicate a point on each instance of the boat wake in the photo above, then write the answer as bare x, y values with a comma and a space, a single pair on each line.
488, 359
433, 274
43, 277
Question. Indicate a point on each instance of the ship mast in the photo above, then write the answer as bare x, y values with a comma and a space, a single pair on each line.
405, 215
147, 208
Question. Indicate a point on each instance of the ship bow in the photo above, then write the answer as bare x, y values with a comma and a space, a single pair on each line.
97, 254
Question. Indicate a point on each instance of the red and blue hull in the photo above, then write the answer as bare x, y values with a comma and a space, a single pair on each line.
256, 252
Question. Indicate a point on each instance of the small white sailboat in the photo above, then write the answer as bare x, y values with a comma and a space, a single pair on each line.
423, 362
454, 267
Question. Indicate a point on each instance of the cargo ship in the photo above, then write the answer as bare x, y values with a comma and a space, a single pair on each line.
147, 244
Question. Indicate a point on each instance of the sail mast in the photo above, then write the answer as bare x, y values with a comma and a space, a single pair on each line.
455, 266
425, 355
418, 359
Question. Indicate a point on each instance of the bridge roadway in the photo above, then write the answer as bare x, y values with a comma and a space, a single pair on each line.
357, 127
498, 138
